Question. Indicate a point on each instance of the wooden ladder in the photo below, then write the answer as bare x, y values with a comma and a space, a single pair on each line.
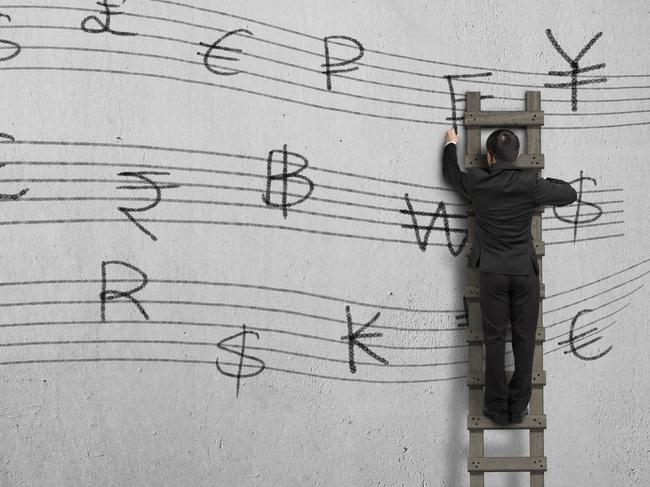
532, 158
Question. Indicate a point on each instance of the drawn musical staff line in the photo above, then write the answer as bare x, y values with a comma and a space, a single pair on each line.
427, 75
606, 291
277, 97
259, 287
312, 53
287, 291
315, 71
374, 51
591, 283
265, 226
214, 344
570, 224
210, 362
318, 357
427, 91
292, 352
323, 90
564, 347
557, 323
281, 351
204, 152
304, 212
182, 323
397, 211
396, 223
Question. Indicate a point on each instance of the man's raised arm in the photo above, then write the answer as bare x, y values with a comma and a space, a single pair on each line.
450, 169
553, 192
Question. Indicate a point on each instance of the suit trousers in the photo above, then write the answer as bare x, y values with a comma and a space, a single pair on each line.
509, 299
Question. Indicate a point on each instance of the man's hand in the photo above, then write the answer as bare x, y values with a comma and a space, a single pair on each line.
451, 136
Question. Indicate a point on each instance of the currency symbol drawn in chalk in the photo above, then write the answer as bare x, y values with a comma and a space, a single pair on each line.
148, 184
352, 339
11, 196
574, 338
441, 211
576, 220
209, 57
104, 25
14, 47
453, 97
337, 67
240, 353
107, 295
284, 177
575, 69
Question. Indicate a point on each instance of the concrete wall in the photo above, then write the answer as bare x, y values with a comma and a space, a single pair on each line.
126, 399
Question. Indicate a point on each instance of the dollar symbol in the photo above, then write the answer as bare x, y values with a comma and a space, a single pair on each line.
285, 176
576, 219
241, 355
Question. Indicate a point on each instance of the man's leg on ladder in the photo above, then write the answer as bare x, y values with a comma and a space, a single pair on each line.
495, 303
524, 311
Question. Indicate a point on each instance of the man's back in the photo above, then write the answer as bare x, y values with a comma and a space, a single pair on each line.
504, 198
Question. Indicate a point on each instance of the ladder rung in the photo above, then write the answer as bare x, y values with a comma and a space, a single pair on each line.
472, 292
477, 377
531, 421
524, 161
501, 118
506, 464
475, 334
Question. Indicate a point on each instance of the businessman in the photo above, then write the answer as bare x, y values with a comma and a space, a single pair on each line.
504, 198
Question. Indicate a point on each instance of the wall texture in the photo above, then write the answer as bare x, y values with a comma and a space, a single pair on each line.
210, 271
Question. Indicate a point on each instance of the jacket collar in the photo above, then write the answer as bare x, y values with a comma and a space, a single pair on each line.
500, 166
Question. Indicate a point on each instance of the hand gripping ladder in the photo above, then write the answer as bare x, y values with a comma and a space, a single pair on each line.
531, 159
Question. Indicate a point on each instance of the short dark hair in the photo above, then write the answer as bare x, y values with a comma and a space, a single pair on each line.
504, 145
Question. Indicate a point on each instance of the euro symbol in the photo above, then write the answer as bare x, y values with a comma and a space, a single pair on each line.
241, 355
208, 56
574, 338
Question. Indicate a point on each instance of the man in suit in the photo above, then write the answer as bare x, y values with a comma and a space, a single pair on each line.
504, 197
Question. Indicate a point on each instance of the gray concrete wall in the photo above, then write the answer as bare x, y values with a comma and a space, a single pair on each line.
135, 400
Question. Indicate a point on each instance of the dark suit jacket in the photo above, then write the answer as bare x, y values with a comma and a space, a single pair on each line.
504, 197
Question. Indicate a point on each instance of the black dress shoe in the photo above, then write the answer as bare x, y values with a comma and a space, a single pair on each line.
499, 416
518, 416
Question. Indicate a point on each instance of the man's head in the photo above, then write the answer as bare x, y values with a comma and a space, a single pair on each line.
502, 146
